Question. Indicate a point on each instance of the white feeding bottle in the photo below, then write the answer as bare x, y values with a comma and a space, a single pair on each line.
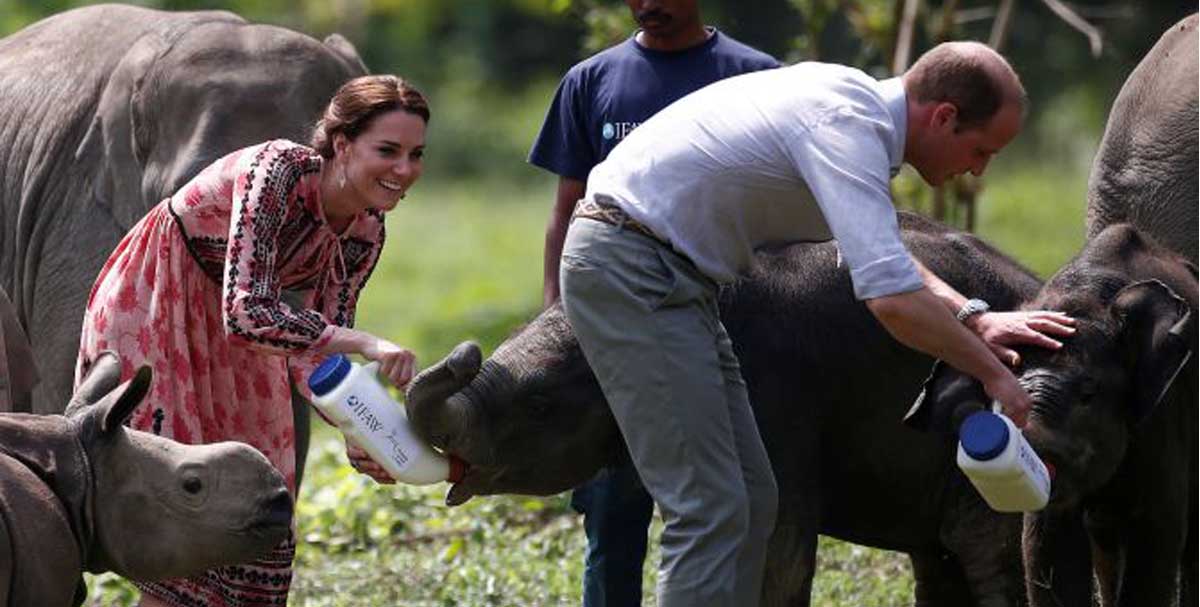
1001, 465
350, 396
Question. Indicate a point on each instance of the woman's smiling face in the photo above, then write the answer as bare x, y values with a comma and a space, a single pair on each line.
383, 161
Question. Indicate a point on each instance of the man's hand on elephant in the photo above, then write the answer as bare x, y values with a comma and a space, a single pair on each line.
1013, 399
1000, 330
360, 461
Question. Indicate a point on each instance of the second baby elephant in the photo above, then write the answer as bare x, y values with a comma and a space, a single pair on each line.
1114, 412
829, 387
82, 492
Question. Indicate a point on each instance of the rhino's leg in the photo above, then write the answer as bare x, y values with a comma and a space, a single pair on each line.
939, 580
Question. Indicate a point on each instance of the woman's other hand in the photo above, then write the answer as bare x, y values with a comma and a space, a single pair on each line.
360, 461
396, 363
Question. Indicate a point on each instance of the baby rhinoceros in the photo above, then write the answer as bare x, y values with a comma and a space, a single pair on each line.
82, 492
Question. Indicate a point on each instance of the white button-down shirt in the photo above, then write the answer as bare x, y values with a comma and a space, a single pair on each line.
800, 153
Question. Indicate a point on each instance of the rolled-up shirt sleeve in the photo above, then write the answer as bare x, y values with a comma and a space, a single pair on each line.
843, 159
252, 309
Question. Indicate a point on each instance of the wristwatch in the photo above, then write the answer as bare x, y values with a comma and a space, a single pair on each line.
971, 308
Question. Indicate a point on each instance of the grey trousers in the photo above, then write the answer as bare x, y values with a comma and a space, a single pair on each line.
647, 321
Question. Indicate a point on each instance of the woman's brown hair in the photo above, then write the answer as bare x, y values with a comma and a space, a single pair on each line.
358, 102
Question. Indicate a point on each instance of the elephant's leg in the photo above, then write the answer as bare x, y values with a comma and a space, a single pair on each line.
1104, 534
1189, 573
939, 580
1151, 571
791, 562
69, 255
1058, 563
986, 553
301, 417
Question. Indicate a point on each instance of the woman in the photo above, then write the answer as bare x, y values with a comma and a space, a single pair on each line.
194, 290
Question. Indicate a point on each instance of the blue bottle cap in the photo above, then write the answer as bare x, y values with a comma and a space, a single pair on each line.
329, 374
983, 435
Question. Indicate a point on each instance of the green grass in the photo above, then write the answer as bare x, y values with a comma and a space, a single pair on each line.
463, 261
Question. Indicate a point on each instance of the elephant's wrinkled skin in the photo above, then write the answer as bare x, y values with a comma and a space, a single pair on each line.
1115, 414
829, 388
1146, 170
107, 110
84, 493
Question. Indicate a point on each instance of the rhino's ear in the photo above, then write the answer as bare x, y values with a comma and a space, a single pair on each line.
946, 399
1157, 334
102, 377
125, 399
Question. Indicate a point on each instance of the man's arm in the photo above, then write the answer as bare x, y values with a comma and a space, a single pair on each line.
999, 330
922, 321
569, 192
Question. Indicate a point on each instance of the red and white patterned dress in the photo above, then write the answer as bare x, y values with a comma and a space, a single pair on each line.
193, 291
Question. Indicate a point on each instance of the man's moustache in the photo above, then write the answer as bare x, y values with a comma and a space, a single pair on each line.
653, 15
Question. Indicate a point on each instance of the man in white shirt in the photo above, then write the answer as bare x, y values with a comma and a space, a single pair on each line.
797, 153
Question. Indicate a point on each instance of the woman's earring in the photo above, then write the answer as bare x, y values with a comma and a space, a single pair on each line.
342, 176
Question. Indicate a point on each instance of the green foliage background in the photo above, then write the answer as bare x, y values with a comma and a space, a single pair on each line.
464, 256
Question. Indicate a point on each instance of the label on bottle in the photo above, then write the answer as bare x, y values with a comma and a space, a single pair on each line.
398, 454
1034, 464
363, 412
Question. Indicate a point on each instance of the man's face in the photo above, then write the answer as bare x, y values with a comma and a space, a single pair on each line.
664, 18
950, 151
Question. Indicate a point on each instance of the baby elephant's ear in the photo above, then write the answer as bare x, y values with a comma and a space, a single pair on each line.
946, 399
125, 399
1158, 332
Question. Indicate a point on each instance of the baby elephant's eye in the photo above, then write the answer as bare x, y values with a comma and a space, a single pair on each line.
192, 485
1087, 390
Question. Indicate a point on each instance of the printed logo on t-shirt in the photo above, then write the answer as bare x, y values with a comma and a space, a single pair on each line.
617, 130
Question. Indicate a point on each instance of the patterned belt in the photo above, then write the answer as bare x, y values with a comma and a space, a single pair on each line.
606, 213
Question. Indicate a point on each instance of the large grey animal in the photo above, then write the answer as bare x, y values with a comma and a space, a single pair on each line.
1146, 170
18, 376
84, 493
829, 387
1115, 414
107, 110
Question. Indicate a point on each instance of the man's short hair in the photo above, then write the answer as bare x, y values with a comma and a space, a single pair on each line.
969, 75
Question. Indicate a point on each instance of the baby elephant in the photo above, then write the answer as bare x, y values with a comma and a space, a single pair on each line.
82, 492
1115, 413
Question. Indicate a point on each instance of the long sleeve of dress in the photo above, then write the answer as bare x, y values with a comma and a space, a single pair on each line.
253, 312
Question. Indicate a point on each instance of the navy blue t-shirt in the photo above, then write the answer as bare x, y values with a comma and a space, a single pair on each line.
604, 97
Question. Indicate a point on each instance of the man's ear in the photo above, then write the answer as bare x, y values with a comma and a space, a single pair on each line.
945, 115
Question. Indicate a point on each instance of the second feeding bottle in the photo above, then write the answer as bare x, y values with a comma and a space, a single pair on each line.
350, 396
1001, 464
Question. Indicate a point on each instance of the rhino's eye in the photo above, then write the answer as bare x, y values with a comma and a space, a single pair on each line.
192, 485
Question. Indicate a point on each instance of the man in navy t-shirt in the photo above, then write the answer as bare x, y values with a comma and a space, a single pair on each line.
598, 102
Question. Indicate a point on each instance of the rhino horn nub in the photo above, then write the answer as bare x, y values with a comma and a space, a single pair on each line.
427, 395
